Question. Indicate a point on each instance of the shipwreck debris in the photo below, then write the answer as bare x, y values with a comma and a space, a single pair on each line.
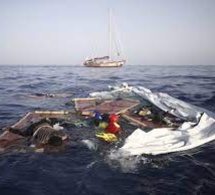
89, 105
35, 126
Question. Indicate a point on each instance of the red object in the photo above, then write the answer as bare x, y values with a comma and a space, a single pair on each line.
113, 127
113, 118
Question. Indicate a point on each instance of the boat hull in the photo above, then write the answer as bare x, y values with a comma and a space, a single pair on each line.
104, 64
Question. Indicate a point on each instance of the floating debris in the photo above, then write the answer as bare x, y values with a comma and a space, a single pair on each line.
110, 107
49, 95
162, 123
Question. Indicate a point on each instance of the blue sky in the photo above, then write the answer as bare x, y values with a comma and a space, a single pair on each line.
65, 32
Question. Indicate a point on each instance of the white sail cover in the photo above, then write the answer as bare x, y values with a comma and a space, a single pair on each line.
198, 129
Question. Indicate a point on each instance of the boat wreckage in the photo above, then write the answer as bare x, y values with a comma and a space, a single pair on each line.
159, 123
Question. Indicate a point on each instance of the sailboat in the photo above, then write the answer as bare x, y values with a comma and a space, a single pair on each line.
106, 61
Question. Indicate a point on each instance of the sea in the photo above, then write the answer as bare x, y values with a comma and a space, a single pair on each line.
80, 170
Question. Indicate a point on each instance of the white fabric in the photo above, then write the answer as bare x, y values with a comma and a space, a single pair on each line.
199, 128
166, 140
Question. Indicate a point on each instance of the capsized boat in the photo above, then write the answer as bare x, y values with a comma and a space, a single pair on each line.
107, 61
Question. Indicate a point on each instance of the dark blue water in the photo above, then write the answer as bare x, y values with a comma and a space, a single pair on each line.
79, 170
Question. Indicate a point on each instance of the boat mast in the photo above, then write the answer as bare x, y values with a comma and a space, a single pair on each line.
109, 35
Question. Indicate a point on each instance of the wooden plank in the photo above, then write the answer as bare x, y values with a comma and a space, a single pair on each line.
133, 120
143, 122
84, 103
83, 99
50, 112
35, 116
116, 106
7, 138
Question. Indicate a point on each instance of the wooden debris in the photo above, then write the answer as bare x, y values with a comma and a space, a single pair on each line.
9, 138
133, 120
115, 106
152, 123
35, 116
49, 95
84, 103
61, 112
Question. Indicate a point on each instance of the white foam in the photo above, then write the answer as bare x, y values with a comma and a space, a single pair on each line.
90, 144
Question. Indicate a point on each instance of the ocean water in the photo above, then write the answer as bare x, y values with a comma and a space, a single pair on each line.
79, 170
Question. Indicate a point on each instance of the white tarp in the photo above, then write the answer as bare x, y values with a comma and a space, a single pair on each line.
199, 128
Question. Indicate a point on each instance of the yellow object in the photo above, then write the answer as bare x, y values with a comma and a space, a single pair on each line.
144, 112
108, 137
103, 125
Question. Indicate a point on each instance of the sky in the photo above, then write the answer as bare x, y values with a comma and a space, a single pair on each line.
65, 32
